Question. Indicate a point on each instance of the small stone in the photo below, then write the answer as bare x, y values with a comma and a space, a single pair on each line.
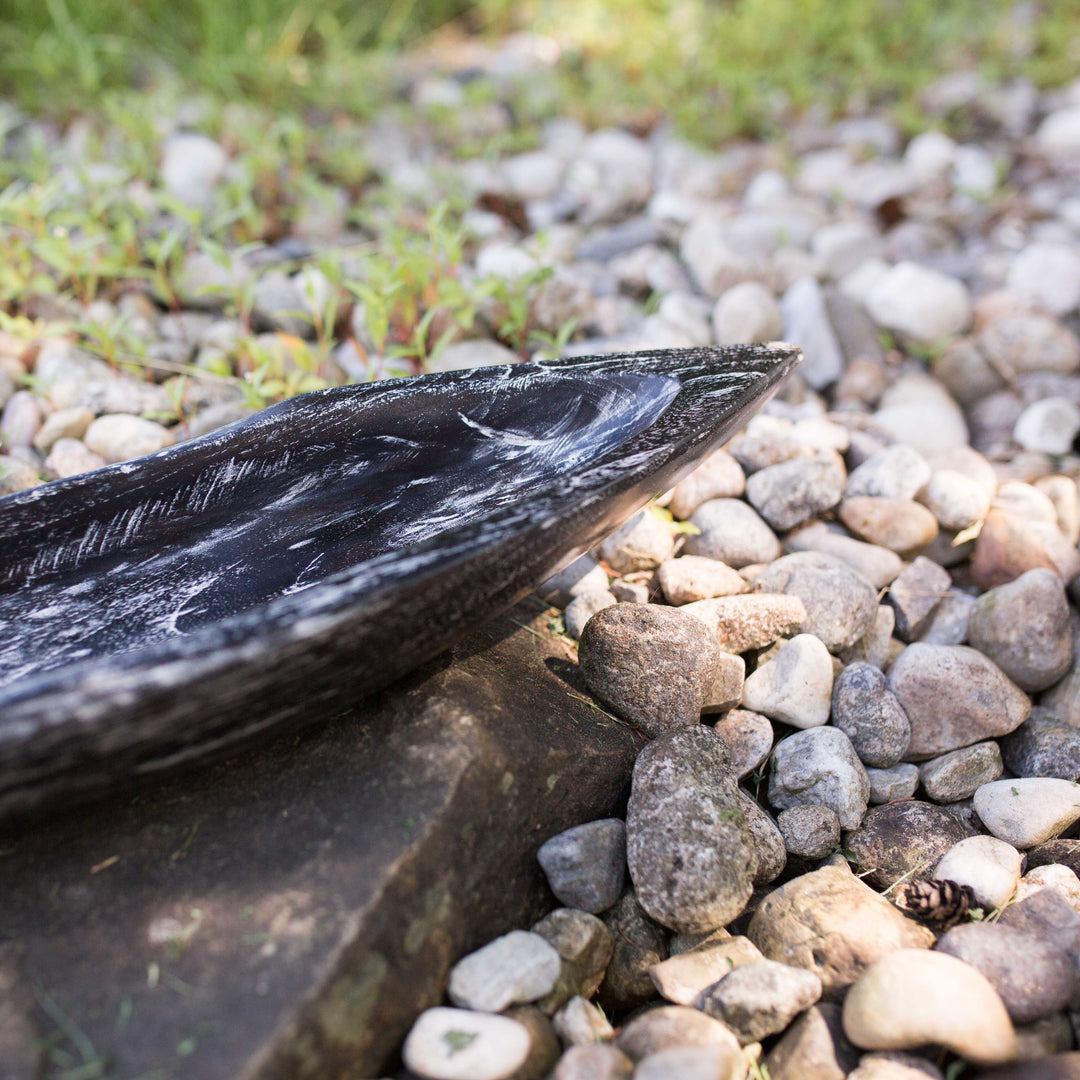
62, 424
690, 852
69, 457
809, 832
639, 944
956, 501
986, 865
1028, 811
586, 865
122, 437
1048, 274
957, 775
643, 543
819, 766
876, 645
719, 476
840, 604
732, 532
680, 979
191, 166
796, 686
516, 968
920, 303
813, 1048
896, 782
458, 1044
692, 1063
1048, 426
793, 492
1044, 745
20, 421
915, 594
584, 945
1024, 342
897, 472
806, 320
1007, 546
1042, 1046
831, 923
1062, 492
948, 623
580, 1023
750, 621
917, 410
768, 843
761, 998
630, 592
727, 690
1061, 879
651, 665
16, 475
1033, 978
900, 525
912, 996
595, 1062
1023, 626
747, 313
1059, 133
583, 607
925, 680
691, 577
749, 738
902, 840
671, 1026
870, 715
582, 575
878, 565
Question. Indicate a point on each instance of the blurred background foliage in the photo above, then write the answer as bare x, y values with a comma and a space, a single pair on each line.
718, 67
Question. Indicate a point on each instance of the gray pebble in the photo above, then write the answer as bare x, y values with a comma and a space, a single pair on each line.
840, 604
1024, 628
1044, 745
121, 437
793, 492
809, 832
769, 843
960, 773
671, 1026
870, 715
651, 665
749, 737
896, 782
583, 607
814, 1047
690, 851
948, 622
586, 865
719, 476
876, 645
584, 574
630, 592
639, 944
584, 945
515, 968
877, 564
643, 543
733, 532
16, 475
69, 457
897, 472
915, 594
690, 578
795, 686
760, 999
1033, 977
820, 766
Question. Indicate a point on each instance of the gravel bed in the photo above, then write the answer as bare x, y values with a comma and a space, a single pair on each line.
850, 635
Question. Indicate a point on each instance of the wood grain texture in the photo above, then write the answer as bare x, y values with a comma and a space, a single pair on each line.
174, 607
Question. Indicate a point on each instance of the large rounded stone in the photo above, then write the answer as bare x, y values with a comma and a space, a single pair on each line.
831, 923
954, 696
957, 775
989, 867
866, 710
1024, 628
912, 997
1033, 977
458, 1044
819, 766
793, 492
586, 865
902, 840
900, 525
690, 851
651, 665
840, 603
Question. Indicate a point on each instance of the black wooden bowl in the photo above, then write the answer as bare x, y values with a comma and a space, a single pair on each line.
176, 606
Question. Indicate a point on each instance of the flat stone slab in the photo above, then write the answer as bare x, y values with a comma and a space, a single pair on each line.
288, 912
